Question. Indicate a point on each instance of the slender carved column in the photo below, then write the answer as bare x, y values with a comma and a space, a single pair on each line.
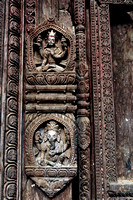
11, 129
103, 105
83, 122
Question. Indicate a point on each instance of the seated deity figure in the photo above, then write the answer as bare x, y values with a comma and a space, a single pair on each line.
54, 57
54, 149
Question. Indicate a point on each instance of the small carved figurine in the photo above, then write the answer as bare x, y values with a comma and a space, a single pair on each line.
52, 57
54, 148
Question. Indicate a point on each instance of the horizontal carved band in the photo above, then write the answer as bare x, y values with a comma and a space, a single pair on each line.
54, 172
50, 78
51, 88
120, 194
50, 98
50, 108
117, 1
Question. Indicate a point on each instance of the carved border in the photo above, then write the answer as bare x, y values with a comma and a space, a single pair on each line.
95, 51
117, 1
10, 162
104, 123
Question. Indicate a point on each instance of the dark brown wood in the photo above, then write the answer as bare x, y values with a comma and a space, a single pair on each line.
66, 108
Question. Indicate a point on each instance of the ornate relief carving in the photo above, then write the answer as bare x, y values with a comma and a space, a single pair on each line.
50, 151
83, 122
30, 8
10, 165
50, 78
103, 101
50, 49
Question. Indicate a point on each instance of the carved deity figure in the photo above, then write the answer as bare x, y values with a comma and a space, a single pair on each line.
54, 149
53, 57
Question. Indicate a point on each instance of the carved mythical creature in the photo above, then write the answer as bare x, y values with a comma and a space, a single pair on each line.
53, 57
54, 149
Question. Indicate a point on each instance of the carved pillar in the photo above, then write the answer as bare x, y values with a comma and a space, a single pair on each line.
50, 136
83, 122
104, 123
10, 128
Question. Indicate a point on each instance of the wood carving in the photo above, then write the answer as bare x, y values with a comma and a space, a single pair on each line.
11, 125
83, 121
103, 99
117, 1
50, 102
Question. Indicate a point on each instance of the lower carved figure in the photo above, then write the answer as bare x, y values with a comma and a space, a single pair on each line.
52, 146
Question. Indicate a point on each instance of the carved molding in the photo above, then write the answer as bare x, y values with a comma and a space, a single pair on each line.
10, 164
117, 1
103, 99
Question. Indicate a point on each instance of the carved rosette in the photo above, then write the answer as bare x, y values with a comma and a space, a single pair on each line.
49, 105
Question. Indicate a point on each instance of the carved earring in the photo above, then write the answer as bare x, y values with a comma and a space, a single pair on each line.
58, 138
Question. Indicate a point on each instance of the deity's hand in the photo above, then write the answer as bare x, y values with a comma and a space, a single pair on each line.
52, 152
52, 52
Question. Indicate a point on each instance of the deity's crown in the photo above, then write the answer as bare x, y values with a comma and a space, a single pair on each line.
52, 125
52, 34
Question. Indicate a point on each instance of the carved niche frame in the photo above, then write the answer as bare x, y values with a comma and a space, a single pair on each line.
47, 25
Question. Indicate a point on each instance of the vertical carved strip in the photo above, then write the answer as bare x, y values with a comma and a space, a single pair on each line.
102, 99
97, 98
10, 164
83, 122
30, 12
2, 26
107, 96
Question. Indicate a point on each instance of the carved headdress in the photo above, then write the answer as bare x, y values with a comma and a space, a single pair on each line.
52, 125
51, 34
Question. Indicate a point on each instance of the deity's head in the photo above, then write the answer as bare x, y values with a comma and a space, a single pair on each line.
51, 38
52, 128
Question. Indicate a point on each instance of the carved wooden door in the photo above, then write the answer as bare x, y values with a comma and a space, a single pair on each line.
66, 99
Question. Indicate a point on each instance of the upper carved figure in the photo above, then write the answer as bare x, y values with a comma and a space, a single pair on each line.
51, 54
